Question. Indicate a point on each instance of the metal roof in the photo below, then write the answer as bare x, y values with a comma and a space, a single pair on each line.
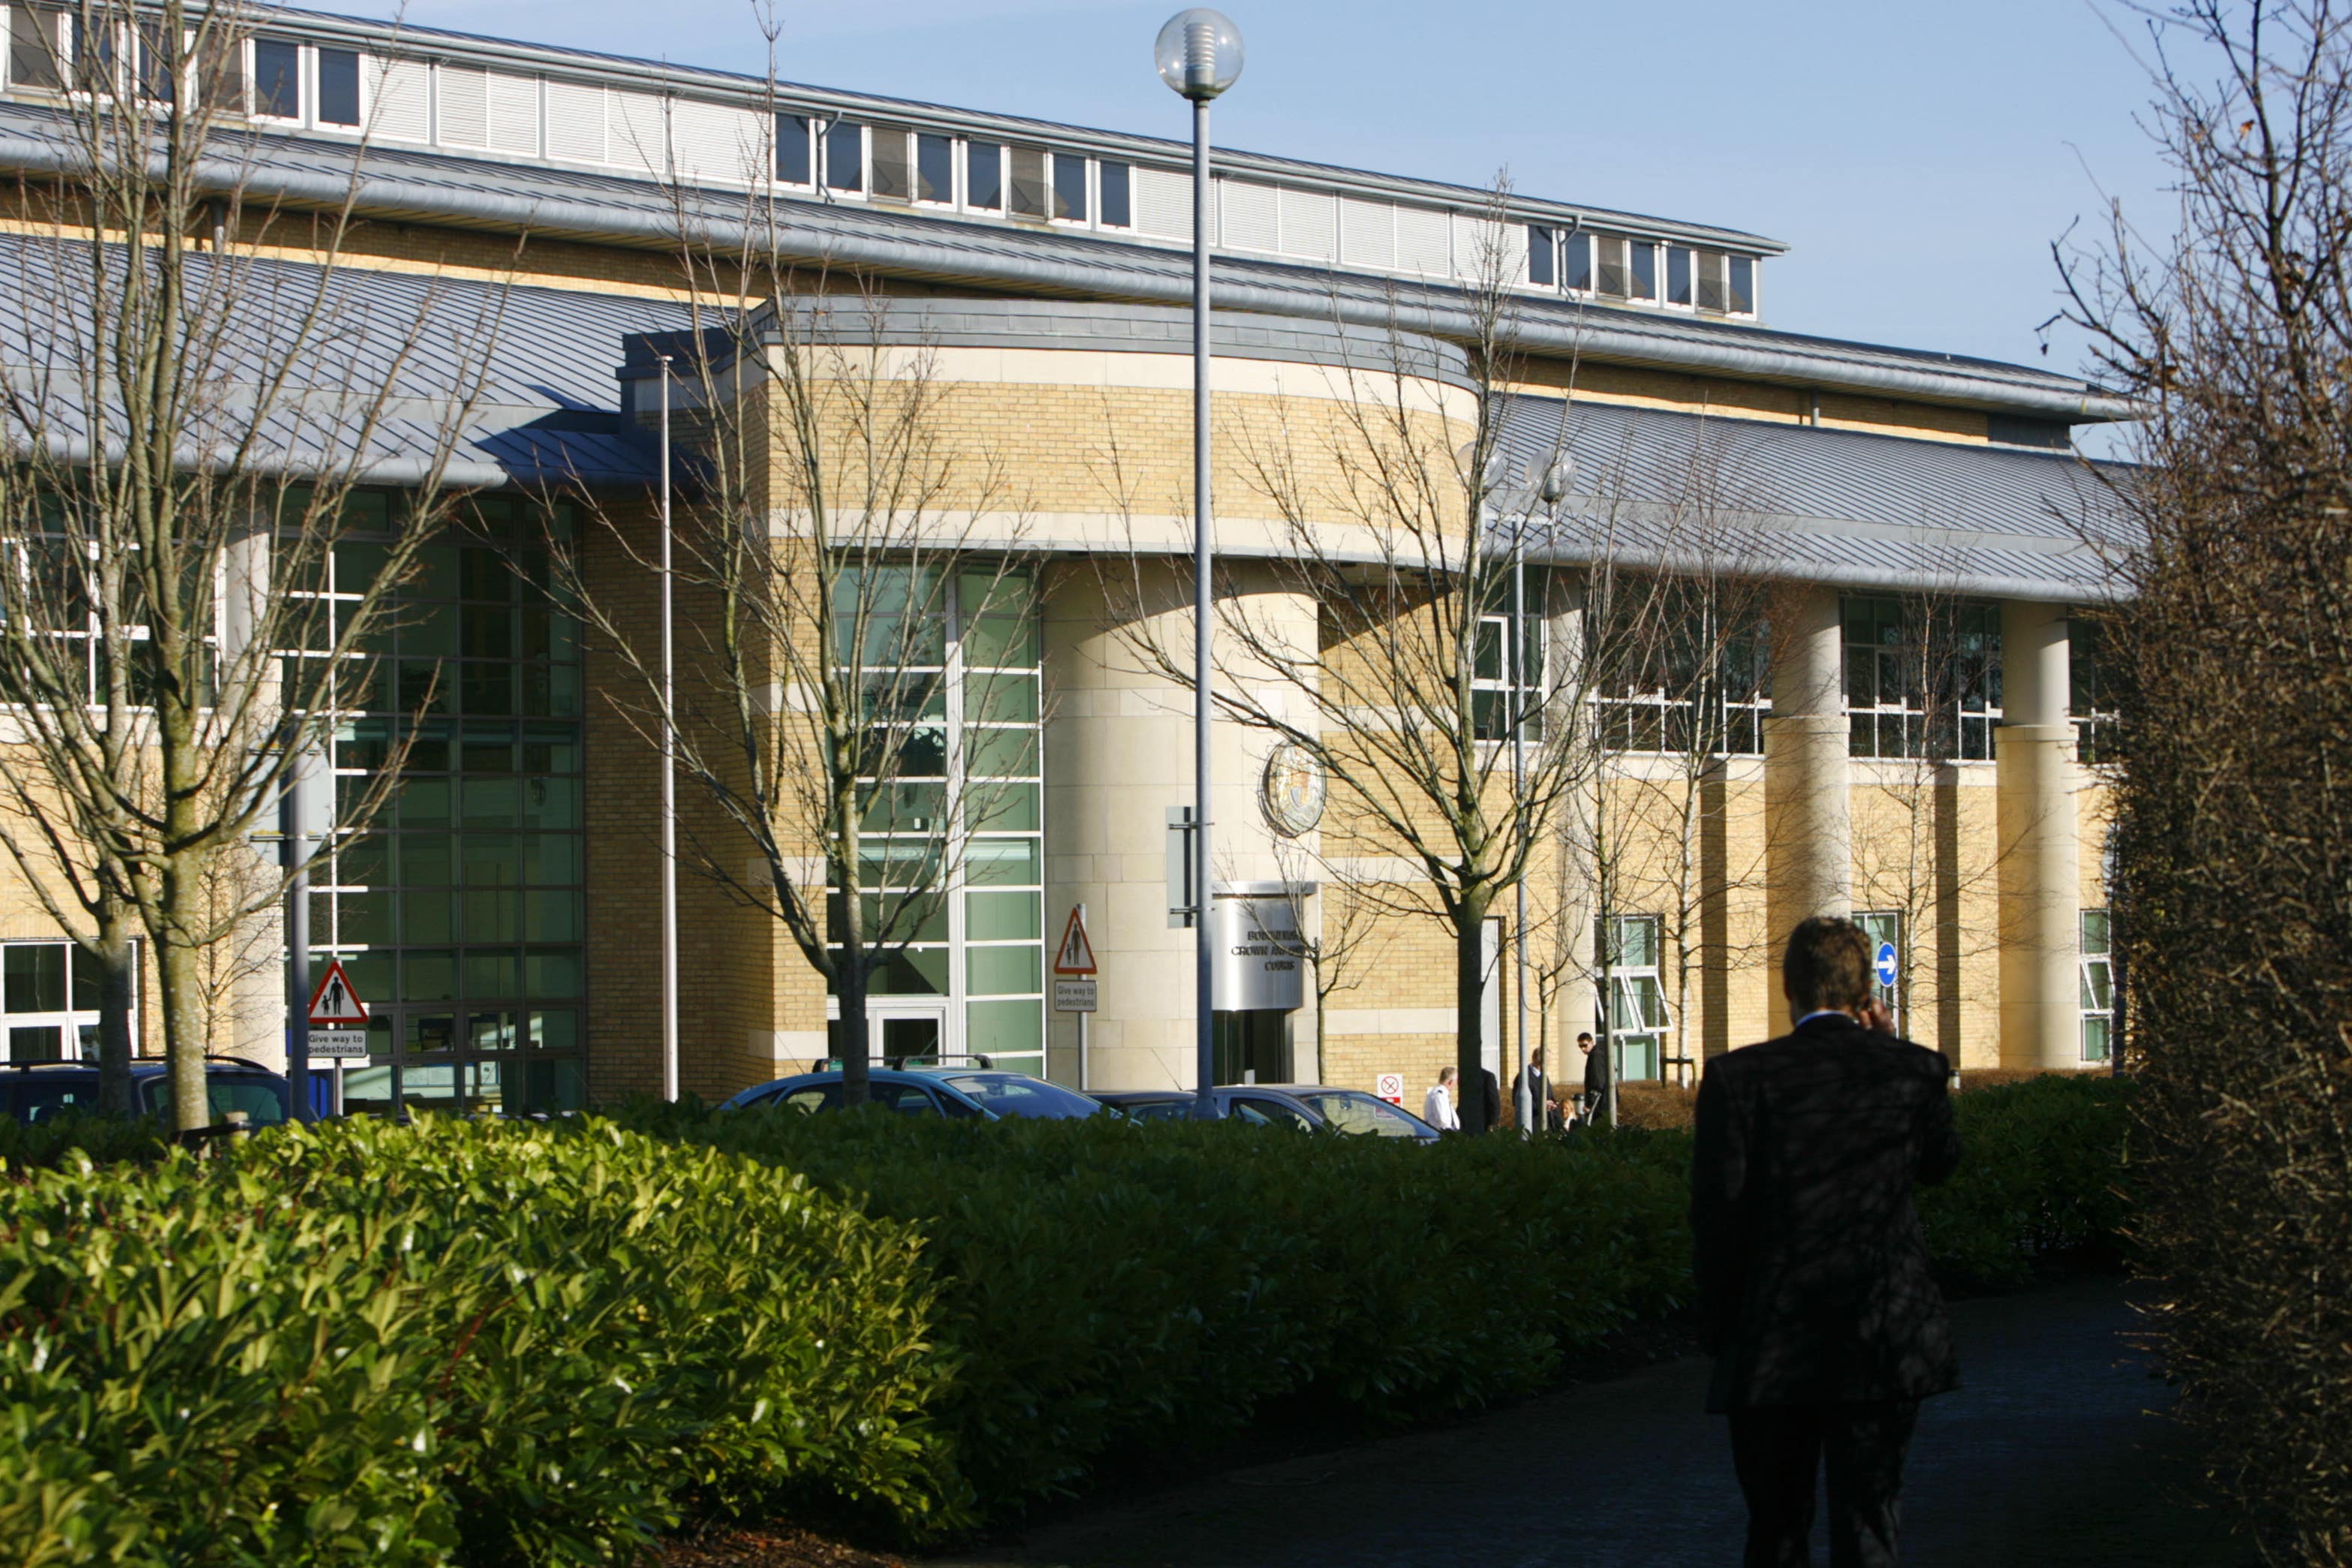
439, 188
1657, 488
516, 383
526, 380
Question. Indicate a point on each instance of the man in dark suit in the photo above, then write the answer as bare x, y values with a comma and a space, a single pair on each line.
1812, 1273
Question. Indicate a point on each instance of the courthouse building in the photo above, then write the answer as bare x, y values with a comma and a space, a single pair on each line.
1909, 732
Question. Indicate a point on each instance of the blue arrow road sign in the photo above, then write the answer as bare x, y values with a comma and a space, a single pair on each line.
1884, 964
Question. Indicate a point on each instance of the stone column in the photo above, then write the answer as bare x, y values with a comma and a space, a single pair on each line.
1118, 754
1809, 853
2041, 890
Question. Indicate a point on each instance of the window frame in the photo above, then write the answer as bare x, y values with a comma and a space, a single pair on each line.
1641, 987
2095, 978
77, 1027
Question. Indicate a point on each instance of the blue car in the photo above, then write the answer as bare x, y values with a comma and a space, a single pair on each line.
35, 1092
950, 1091
1302, 1107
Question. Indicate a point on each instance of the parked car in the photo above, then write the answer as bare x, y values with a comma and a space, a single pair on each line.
927, 1091
1302, 1107
38, 1091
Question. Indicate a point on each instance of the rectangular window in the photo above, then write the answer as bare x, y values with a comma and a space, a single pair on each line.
1743, 286
1643, 281
1690, 679
792, 158
949, 661
934, 168
1030, 197
1070, 203
1491, 694
1636, 1003
33, 58
1922, 679
1712, 293
338, 87
277, 79
984, 177
49, 991
844, 156
1678, 275
1616, 277
2089, 702
1540, 271
1575, 263
1117, 209
1884, 930
2098, 967
894, 174
159, 65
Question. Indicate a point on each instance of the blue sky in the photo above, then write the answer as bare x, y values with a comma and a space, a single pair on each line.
1917, 159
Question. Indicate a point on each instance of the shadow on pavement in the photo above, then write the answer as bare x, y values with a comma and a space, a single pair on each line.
2051, 1456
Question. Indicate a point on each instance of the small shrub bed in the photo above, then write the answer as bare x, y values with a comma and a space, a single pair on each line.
491, 1343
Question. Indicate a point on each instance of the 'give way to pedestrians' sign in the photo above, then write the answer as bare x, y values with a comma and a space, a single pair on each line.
338, 1018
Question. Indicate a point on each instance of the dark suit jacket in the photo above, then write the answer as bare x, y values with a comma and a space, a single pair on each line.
1813, 1271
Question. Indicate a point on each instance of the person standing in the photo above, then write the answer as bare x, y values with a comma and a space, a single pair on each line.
1437, 1106
1812, 1269
1596, 1075
1546, 1116
1492, 1111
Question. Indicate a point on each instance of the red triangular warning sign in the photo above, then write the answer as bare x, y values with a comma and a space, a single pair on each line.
1076, 954
334, 1003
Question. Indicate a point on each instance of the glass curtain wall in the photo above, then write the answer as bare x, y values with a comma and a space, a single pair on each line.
962, 822
459, 913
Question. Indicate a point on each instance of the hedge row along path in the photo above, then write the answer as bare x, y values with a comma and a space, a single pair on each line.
2052, 1455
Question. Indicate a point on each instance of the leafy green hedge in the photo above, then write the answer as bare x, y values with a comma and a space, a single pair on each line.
490, 1344
1111, 1284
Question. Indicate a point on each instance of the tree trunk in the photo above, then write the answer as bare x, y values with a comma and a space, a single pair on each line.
180, 993
1470, 1006
118, 988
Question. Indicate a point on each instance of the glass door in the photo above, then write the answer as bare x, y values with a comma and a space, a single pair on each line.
906, 1033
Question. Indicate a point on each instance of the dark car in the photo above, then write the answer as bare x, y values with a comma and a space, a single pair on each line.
930, 1091
35, 1092
1302, 1107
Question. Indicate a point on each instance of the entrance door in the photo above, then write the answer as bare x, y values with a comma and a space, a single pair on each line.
906, 1034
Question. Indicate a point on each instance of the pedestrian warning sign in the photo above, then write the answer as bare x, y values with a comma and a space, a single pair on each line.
1076, 954
335, 1002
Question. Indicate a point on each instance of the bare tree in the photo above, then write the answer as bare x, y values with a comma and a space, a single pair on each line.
826, 517
1404, 534
2230, 660
186, 422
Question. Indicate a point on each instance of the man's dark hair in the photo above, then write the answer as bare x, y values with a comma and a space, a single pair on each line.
1584, 1034
1827, 964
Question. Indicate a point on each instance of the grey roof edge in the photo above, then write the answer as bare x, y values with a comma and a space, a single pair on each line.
670, 76
1099, 327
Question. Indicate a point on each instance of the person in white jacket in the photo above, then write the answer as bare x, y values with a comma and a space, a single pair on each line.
1437, 1106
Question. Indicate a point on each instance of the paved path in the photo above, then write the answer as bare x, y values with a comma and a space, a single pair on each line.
2048, 1458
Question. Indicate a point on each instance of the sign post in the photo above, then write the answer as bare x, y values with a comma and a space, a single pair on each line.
1074, 981
338, 1022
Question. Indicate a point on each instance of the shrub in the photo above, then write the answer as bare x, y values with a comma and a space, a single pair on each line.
494, 1343
1111, 1285
2041, 1173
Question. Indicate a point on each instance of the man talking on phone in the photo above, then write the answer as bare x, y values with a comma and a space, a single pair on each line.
1812, 1273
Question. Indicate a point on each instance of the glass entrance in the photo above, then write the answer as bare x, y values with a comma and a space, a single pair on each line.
901, 1036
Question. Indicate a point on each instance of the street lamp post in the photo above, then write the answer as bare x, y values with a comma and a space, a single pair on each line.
1551, 488
1199, 53
669, 773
